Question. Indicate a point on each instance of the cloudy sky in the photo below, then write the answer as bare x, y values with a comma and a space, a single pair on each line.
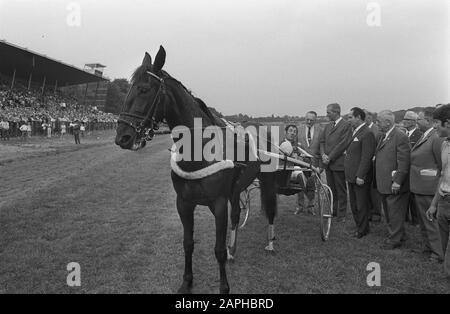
256, 56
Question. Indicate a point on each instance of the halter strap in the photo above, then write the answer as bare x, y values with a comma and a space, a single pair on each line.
133, 119
155, 76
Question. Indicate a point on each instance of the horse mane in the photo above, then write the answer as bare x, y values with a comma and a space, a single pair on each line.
203, 107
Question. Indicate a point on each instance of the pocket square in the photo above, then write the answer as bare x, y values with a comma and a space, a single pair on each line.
428, 172
355, 139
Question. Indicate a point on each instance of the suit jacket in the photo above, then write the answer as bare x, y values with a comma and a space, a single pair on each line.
392, 154
314, 146
358, 159
417, 134
334, 141
426, 154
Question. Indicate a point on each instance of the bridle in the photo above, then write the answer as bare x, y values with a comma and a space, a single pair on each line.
145, 126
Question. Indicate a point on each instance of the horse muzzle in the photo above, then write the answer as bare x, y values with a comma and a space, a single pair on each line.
125, 141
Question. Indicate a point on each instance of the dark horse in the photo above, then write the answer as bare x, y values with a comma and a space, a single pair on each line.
155, 96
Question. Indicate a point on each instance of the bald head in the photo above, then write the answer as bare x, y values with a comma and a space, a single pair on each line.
333, 111
410, 120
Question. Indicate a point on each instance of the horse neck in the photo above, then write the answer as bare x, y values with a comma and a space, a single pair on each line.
182, 109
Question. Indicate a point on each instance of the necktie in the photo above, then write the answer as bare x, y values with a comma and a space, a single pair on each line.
333, 124
309, 135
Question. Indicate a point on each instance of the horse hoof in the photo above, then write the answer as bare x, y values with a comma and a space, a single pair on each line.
225, 290
186, 288
183, 290
230, 256
269, 250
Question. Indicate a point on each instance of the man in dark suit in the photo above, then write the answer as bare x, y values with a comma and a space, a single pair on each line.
374, 197
333, 142
426, 166
392, 159
309, 140
414, 134
358, 170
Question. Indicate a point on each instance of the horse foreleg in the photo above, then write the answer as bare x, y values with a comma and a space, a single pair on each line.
186, 213
271, 238
235, 215
220, 211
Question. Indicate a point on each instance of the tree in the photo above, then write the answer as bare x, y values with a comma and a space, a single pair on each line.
115, 96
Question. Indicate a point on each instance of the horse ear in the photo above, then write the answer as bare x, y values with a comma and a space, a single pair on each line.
160, 59
147, 60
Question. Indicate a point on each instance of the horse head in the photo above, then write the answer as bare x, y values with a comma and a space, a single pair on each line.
144, 105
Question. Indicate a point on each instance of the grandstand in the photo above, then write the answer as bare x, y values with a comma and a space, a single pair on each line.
41, 72
34, 89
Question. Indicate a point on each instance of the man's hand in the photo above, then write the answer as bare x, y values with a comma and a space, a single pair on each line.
395, 188
325, 159
359, 181
431, 213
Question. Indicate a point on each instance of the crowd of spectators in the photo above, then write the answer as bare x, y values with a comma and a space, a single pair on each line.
26, 112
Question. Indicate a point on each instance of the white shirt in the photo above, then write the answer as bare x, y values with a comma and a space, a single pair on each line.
411, 132
370, 126
388, 132
306, 133
337, 121
427, 132
357, 129
444, 186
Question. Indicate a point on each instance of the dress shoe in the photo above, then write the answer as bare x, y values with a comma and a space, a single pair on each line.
359, 235
424, 252
375, 218
388, 245
435, 259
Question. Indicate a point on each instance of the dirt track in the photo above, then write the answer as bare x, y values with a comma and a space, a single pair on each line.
113, 212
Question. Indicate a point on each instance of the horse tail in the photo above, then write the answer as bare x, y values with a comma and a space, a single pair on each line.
268, 187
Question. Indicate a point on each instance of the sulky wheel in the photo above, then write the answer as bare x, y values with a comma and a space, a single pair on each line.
325, 203
245, 202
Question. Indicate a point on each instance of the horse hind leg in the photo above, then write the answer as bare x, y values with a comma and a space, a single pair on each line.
220, 211
245, 179
269, 205
186, 213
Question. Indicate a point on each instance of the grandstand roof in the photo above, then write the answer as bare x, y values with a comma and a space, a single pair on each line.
95, 65
26, 61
